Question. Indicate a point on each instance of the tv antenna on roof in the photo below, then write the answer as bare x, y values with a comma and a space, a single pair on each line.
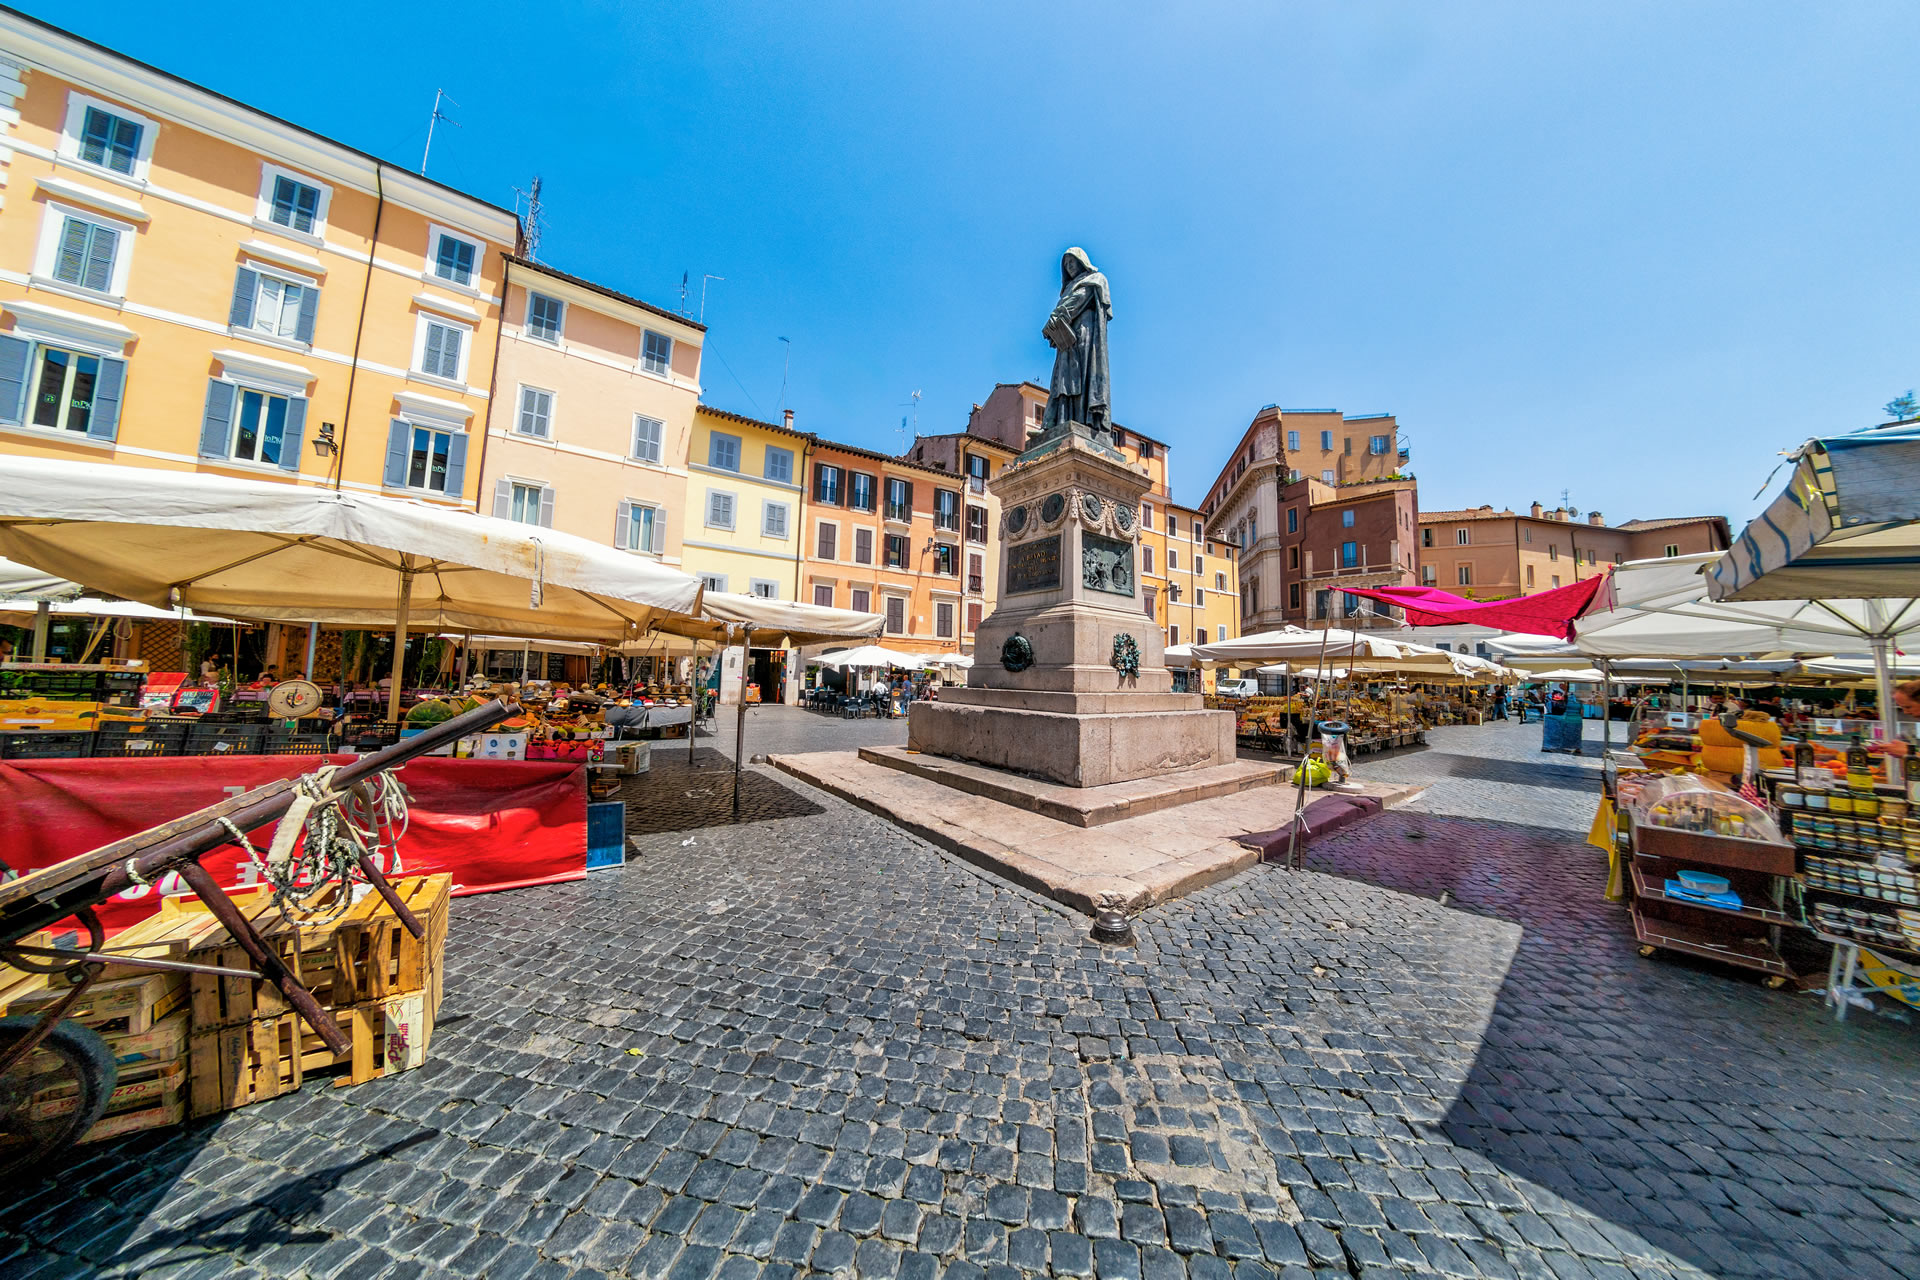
439, 96
1566, 500
530, 230
703, 294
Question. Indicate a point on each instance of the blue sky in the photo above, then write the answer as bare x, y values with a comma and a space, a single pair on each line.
1629, 251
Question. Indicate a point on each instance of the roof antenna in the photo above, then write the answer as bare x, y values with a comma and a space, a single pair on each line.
439, 96
916, 422
703, 294
530, 232
683, 293
784, 369
1566, 500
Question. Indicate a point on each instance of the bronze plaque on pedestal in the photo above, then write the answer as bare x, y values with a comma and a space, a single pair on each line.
1034, 566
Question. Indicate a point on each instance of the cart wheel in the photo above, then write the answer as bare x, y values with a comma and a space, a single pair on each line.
71, 1072
1645, 952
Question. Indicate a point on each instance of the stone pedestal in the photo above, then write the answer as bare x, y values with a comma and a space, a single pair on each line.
1069, 680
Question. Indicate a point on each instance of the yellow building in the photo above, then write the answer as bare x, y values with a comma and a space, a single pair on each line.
190, 284
1188, 584
593, 411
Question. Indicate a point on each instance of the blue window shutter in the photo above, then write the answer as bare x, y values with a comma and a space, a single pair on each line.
621, 514
13, 378
104, 424
546, 507
456, 464
309, 308
450, 354
290, 437
216, 427
503, 499
100, 253
71, 264
430, 359
399, 434
245, 284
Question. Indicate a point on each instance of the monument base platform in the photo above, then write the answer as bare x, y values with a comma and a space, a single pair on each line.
1080, 750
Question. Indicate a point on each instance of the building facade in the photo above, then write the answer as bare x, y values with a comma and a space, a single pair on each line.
1485, 554
1280, 450
592, 418
743, 504
189, 284
1336, 540
913, 543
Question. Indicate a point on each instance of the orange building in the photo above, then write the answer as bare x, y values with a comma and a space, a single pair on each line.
189, 284
1485, 554
911, 542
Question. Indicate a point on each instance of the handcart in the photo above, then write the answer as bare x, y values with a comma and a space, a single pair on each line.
342, 817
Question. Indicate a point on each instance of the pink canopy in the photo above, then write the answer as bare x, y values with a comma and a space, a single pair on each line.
1548, 613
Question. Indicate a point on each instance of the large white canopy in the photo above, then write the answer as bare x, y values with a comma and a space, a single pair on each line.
292, 553
19, 582
89, 607
1357, 651
868, 655
725, 618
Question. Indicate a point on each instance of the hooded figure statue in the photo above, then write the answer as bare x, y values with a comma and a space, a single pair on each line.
1078, 331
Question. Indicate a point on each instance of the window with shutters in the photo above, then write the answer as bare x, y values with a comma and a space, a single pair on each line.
107, 136
976, 524
828, 543
454, 258
826, 484
1553, 551
863, 546
861, 490
899, 500
545, 316
773, 520
656, 353
1146, 558
84, 251
975, 612
1326, 477
860, 600
1465, 573
896, 551
1199, 597
946, 509
274, 306
640, 526
260, 428
1377, 445
1148, 596
536, 413
943, 619
290, 202
440, 349
1173, 633
823, 594
765, 588
719, 509
647, 434
427, 460
1293, 441
61, 387
1349, 555
896, 616
946, 559
1173, 559
714, 581
778, 466
1428, 575
524, 503
1326, 440
723, 451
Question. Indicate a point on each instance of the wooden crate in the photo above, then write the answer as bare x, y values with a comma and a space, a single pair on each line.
234, 1066
131, 1005
365, 955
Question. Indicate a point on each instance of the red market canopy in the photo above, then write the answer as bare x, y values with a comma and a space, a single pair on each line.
1547, 613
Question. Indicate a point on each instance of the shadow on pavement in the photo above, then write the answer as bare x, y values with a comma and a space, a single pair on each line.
676, 796
1738, 1128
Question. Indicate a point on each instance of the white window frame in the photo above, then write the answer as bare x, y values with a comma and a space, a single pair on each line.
1463, 575
420, 350
634, 506
706, 510
772, 585
714, 581
46, 254
431, 276
263, 208
906, 613
660, 446
1382, 441
242, 382
953, 619
1462, 538
665, 337
286, 277
520, 412
767, 507
1293, 442
1326, 477
526, 319
739, 453
539, 490
70, 135
438, 426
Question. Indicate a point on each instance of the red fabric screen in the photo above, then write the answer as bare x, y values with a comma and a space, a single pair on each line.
492, 824
1545, 613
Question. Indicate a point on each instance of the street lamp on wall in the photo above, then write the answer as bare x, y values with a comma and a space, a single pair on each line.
323, 441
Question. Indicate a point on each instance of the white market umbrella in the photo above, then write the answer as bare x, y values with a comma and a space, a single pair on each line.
953, 661
866, 656
286, 552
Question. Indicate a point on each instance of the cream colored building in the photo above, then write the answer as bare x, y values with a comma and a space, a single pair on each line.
593, 413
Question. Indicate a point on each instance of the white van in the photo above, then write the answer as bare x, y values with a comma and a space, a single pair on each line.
1245, 687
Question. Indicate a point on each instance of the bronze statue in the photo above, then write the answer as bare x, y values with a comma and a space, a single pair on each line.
1080, 391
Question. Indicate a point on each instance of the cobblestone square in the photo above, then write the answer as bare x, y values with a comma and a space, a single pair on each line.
809, 1044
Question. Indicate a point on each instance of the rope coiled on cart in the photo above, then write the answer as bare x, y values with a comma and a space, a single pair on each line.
339, 827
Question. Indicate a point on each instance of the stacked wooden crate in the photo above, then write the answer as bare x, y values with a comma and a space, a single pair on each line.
198, 1044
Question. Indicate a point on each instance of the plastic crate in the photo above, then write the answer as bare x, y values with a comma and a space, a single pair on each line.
1562, 733
46, 744
279, 742
606, 834
225, 739
141, 738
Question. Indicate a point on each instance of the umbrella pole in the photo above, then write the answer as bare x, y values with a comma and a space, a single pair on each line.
42, 620
399, 645
740, 727
313, 646
1606, 708
1883, 691
1300, 789
693, 720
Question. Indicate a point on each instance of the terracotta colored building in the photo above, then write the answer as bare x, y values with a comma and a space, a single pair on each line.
1493, 555
1336, 539
193, 285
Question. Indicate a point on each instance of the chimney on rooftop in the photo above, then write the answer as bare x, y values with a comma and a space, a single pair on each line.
789, 419
1594, 518
1537, 512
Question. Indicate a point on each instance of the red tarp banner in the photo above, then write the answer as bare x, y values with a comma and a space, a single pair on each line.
1544, 613
492, 824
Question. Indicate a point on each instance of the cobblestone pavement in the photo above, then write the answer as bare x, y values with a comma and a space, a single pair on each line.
810, 1044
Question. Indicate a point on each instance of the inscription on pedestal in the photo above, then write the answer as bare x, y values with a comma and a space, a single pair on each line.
1034, 566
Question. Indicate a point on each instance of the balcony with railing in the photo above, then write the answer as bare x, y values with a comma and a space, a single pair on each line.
974, 584
899, 513
976, 484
